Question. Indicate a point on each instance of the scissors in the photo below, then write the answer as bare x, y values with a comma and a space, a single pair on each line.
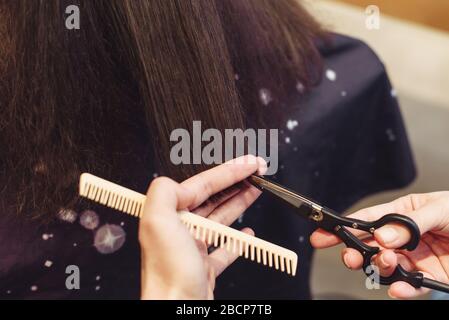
332, 222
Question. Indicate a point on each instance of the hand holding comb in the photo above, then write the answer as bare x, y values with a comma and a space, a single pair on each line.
128, 201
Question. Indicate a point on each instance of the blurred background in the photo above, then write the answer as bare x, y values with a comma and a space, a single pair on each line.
413, 43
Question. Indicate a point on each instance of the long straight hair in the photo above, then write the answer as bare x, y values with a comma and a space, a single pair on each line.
70, 99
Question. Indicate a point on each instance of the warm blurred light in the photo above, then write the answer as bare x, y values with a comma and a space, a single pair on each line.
433, 13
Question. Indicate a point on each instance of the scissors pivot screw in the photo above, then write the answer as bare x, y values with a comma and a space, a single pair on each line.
372, 230
355, 225
317, 216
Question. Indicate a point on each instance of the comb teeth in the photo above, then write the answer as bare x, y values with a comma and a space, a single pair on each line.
125, 200
240, 243
111, 195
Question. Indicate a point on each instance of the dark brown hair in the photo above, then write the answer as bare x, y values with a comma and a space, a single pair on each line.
71, 99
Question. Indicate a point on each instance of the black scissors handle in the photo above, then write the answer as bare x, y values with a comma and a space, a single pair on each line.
338, 226
332, 222
399, 274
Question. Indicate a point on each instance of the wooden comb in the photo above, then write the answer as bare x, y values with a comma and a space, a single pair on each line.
125, 200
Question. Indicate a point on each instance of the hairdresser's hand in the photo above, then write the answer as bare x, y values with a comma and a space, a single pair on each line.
174, 265
431, 257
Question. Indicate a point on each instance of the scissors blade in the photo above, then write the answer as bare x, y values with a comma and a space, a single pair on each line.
285, 194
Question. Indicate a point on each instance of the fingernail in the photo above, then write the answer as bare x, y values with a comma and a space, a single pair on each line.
391, 295
384, 263
387, 234
346, 261
262, 166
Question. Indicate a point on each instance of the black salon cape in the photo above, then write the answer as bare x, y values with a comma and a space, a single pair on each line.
349, 142
343, 141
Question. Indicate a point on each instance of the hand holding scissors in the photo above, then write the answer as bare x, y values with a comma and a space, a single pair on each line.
431, 257
337, 229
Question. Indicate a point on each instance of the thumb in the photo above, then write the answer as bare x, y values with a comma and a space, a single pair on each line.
166, 195
432, 216
164, 198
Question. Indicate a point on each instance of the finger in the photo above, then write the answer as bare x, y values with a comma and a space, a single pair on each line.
403, 290
322, 239
404, 205
164, 198
166, 195
440, 247
351, 258
211, 279
229, 211
400, 259
426, 261
420, 260
207, 183
220, 259
386, 261
213, 202
202, 248
405, 262
428, 217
